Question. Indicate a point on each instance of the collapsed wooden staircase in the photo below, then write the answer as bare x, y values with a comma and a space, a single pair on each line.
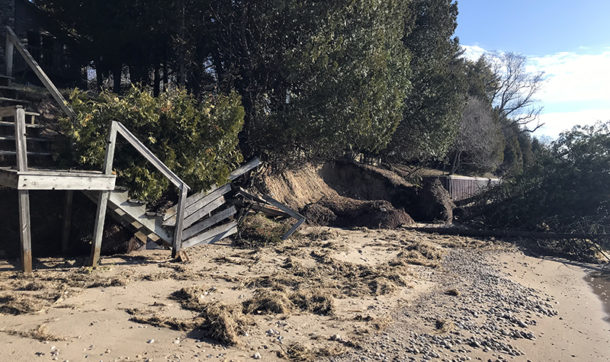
26, 163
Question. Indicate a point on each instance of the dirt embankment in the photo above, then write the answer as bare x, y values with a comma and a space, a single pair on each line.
344, 194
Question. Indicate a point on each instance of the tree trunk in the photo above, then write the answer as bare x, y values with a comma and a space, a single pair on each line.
116, 75
156, 81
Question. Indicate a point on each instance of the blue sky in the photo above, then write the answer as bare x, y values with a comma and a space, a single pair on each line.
568, 40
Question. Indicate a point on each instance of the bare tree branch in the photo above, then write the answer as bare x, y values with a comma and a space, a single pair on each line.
514, 97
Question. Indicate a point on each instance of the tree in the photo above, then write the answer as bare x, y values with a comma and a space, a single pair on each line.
317, 78
479, 142
515, 90
436, 98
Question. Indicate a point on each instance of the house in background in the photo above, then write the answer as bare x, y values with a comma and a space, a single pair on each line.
44, 40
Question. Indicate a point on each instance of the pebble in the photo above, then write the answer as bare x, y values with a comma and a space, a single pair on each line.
256, 356
150, 341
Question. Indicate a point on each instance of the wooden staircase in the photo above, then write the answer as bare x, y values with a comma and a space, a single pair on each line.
26, 163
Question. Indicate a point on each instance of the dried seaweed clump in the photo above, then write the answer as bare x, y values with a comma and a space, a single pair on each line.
316, 302
190, 297
258, 230
221, 323
21, 303
158, 320
41, 334
267, 302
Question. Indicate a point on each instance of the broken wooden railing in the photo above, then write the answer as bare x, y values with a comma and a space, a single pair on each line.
211, 216
277, 209
102, 202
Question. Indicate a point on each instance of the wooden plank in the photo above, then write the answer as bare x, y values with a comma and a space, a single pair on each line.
80, 173
12, 153
8, 56
14, 40
179, 221
102, 201
20, 144
10, 112
43, 182
300, 218
11, 124
269, 211
25, 232
67, 221
197, 201
199, 214
13, 100
98, 229
32, 139
243, 169
212, 234
206, 223
250, 196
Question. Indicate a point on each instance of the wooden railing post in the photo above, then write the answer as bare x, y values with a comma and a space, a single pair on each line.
8, 55
179, 220
25, 232
102, 202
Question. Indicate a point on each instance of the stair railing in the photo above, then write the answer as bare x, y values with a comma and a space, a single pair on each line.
119, 128
13, 42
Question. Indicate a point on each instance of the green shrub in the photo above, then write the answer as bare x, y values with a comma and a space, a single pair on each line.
197, 140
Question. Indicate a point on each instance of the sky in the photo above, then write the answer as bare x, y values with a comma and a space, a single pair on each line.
568, 40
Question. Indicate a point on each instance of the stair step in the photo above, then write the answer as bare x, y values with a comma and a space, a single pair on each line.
12, 153
13, 100
34, 139
10, 112
29, 125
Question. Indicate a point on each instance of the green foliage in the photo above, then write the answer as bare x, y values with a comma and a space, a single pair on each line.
432, 109
196, 140
565, 190
319, 78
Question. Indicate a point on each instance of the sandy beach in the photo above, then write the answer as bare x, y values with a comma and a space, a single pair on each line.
330, 294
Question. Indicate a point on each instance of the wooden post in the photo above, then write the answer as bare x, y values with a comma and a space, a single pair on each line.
20, 143
102, 201
65, 235
8, 56
25, 233
179, 221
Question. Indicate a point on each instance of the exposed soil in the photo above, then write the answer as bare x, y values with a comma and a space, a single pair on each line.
348, 194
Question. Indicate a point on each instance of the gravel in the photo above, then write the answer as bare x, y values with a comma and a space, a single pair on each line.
490, 312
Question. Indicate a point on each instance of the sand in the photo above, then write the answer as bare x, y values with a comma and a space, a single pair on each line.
85, 314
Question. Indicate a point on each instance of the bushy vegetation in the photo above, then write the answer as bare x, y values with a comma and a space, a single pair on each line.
565, 190
198, 140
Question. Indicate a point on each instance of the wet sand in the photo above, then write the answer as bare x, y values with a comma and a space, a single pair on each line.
600, 282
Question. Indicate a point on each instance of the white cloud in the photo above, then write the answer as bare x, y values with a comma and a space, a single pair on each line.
555, 123
572, 77
576, 83
473, 52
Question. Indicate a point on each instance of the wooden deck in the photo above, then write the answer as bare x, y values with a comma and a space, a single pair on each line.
41, 179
